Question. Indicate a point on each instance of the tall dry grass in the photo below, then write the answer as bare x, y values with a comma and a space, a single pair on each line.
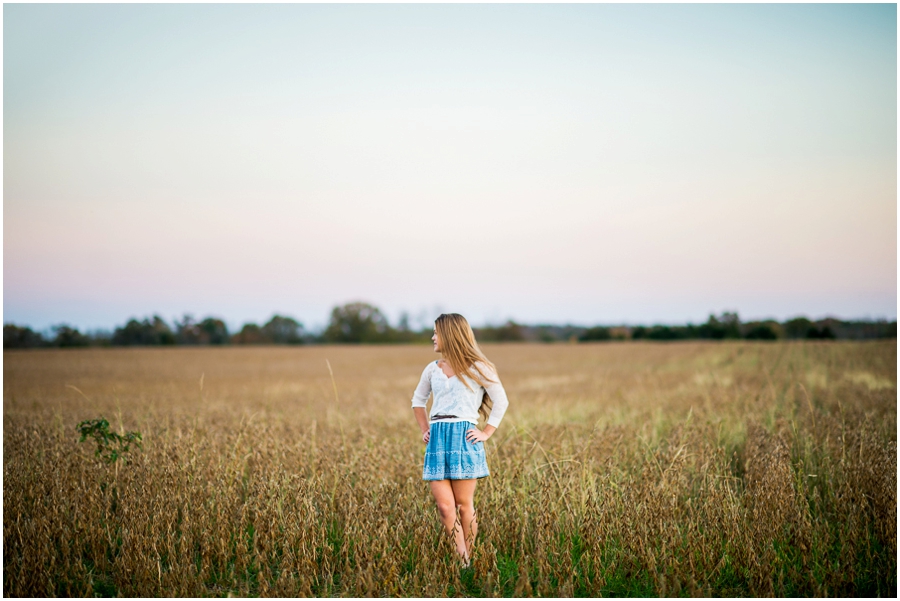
620, 469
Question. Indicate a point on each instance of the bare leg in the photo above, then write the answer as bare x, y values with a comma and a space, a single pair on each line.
442, 491
464, 494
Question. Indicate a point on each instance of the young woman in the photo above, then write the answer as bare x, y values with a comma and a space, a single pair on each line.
464, 384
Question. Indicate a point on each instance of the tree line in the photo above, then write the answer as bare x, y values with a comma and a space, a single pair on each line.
726, 326
349, 323
359, 322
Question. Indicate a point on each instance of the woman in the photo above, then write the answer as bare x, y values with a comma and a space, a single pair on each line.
464, 384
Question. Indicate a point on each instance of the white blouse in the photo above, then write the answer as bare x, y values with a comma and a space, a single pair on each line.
451, 397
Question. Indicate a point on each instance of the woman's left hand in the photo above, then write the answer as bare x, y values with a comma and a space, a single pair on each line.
475, 435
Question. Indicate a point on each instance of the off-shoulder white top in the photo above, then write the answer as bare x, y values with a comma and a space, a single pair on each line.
451, 397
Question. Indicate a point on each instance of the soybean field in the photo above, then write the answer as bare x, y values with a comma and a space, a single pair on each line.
620, 469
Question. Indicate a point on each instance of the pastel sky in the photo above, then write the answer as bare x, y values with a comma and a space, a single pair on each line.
547, 163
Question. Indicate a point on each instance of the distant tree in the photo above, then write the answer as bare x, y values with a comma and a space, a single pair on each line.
732, 324
596, 333
728, 326
283, 330
623, 332
213, 331
209, 331
21, 337
508, 332
663, 332
100, 337
545, 334
403, 324
405, 334
144, 333
761, 331
250, 334
187, 331
797, 328
860, 330
66, 336
817, 333
357, 322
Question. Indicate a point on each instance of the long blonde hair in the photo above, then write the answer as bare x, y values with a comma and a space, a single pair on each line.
459, 349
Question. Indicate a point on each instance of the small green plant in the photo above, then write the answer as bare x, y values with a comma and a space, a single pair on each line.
111, 446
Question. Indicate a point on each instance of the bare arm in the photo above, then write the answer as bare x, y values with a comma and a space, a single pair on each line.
495, 390
422, 420
420, 400
476, 435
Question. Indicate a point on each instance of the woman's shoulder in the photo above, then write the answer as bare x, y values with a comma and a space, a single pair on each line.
486, 369
428, 372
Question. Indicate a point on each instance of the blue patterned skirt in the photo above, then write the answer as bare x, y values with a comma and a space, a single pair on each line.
449, 456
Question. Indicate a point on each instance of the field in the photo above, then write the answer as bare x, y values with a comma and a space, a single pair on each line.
620, 469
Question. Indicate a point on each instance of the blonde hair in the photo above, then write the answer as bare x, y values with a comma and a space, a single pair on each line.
459, 349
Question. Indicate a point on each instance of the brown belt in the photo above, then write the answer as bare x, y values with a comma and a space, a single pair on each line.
434, 417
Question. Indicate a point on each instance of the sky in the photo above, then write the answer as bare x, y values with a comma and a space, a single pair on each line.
588, 164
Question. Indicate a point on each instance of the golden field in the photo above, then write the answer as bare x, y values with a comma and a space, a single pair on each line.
732, 468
